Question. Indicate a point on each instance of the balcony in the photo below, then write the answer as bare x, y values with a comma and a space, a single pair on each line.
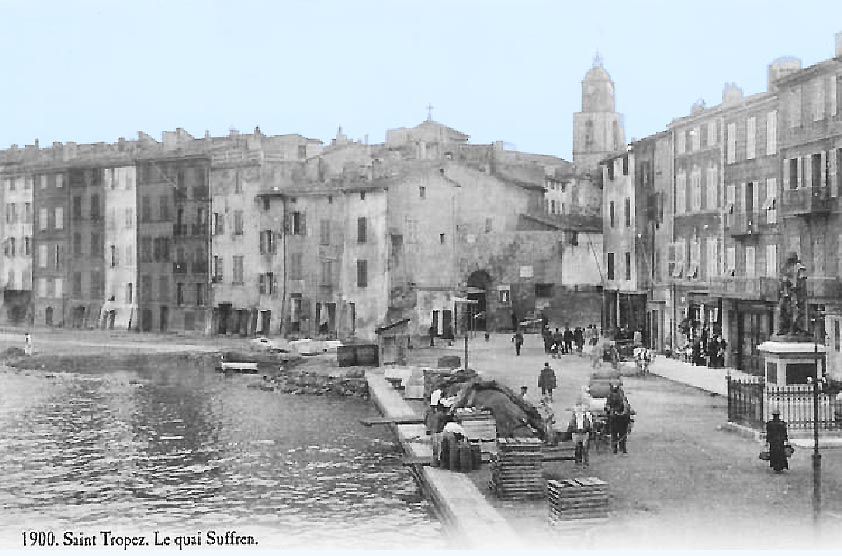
739, 287
822, 287
807, 201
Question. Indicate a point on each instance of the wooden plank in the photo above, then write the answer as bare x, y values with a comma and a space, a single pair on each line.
400, 420
417, 460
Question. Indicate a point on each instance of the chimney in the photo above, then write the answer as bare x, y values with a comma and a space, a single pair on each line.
731, 93
781, 67
838, 45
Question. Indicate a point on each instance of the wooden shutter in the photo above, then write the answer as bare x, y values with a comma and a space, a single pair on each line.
807, 168
823, 174
787, 163
798, 171
834, 186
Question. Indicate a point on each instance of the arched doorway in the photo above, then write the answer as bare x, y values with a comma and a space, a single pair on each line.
478, 284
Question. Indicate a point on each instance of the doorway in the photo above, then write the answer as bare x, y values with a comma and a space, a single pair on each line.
165, 317
478, 284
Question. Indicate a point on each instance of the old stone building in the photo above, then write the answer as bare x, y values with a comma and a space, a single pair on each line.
16, 276
810, 152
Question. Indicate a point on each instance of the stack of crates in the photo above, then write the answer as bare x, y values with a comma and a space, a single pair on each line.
518, 470
577, 499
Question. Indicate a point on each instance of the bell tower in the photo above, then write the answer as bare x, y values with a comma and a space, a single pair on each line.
598, 128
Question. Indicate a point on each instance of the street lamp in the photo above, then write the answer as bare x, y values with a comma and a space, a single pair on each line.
817, 458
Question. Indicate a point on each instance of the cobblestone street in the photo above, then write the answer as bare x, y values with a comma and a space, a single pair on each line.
684, 483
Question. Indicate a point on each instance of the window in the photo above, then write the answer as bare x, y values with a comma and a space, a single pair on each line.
677, 258
771, 133
794, 107
296, 270
59, 218
504, 295
42, 287
95, 213
96, 245
771, 205
611, 214
267, 242
77, 284
732, 143
362, 229
129, 292
217, 268
129, 218
422, 192
625, 164
200, 294
164, 207
238, 222
712, 189
57, 256
113, 250
145, 209
324, 232
772, 261
696, 189
10, 213
27, 212
43, 219
146, 286
11, 247
750, 268
628, 265
680, 138
489, 225
326, 277
27, 246
302, 151
59, 180
574, 238
627, 209
681, 193
299, 225
610, 266
179, 294
751, 137
164, 288
441, 239
543, 290
711, 257
362, 273
696, 140
818, 105
218, 223
836, 336
711, 133
59, 287
42, 256
552, 207
730, 261
237, 271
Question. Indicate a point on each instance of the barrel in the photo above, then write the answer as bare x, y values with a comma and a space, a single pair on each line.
452, 454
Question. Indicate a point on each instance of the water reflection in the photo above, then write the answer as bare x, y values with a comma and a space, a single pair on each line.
195, 451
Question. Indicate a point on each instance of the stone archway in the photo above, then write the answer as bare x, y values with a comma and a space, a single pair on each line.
479, 283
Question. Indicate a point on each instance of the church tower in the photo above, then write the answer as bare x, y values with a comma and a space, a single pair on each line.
597, 129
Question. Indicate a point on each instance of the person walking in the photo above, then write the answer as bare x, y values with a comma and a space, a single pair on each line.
518, 340
432, 332
579, 339
547, 381
777, 438
568, 340
27, 344
619, 416
580, 427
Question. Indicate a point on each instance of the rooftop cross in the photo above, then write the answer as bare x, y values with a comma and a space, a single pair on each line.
430, 112
597, 60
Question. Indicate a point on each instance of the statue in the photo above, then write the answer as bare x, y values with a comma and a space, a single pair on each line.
792, 298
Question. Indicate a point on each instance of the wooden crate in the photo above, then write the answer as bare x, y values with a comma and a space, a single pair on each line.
517, 472
577, 499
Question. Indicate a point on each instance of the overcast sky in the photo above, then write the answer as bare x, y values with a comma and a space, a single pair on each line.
92, 70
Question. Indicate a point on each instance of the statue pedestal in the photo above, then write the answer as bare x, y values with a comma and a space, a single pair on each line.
789, 359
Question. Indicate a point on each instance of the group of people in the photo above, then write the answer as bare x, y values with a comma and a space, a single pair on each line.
565, 342
582, 425
706, 349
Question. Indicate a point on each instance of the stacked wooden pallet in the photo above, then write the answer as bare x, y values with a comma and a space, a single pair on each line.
480, 429
518, 470
577, 499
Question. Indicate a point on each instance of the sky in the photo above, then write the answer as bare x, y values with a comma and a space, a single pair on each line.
96, 70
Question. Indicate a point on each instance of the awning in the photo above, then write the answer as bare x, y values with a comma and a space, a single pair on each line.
382, 329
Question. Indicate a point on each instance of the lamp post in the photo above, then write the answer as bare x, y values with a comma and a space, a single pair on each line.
817, 458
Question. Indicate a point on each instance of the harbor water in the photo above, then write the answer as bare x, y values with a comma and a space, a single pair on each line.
189, 451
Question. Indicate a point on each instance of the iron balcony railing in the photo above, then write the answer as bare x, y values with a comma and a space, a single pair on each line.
806, 201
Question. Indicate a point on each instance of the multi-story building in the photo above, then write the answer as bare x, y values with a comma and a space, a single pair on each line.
654, 156
693, 257
120, 307
746, 292
86, 265
17, 181
810, 149
50, 241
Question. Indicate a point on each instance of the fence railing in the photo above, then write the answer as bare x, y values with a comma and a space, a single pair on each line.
751, 402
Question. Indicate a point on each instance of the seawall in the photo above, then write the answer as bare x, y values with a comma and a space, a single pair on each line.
461, 506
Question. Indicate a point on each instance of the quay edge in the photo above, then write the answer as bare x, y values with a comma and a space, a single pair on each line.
455, 497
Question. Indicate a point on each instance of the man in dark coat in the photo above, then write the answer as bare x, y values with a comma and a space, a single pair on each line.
518, 340
432, 332
776, 437
568, 340
619, 415
547, 381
